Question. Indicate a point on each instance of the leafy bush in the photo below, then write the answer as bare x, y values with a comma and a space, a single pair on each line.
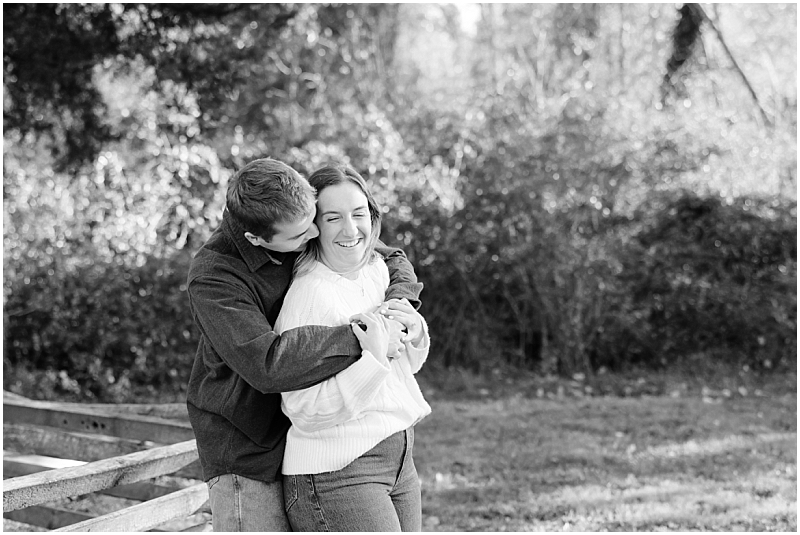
685, 275
532, 182
703, 275
101, 328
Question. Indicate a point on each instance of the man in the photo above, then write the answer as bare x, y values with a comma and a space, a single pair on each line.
237, 282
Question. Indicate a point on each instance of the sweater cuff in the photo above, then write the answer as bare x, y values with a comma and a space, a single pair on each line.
418, 354
362, 380
424, 343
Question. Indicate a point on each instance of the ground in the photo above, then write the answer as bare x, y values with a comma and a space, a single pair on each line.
634, 452
545, 459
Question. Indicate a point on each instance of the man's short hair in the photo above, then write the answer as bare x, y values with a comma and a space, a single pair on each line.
267, 192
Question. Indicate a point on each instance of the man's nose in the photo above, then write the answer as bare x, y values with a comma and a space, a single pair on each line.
313, 231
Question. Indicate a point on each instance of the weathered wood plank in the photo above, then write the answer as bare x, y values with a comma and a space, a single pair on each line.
54, 442
42, 440
199, 528
37, 463
176, 411
169, 411
47, 517
51, 485
16, 465
149, 514
12, 395
81, 419
13, 526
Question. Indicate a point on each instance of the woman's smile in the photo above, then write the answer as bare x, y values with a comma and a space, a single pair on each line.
350, 244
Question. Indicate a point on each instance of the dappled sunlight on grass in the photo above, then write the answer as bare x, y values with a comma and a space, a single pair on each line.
614, 464
695, 448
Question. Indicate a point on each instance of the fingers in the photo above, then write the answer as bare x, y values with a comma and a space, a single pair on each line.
367, 318
406, 324
364, 336
411, 323
375, 338
397, 327
400, 310
397, 305
394, 351
361, 335
369, 341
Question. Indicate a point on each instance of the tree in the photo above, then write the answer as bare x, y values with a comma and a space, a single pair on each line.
51, 54
516, 159
685, 37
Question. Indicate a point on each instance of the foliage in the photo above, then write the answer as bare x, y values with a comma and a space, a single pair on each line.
57, 95
50, 52
536, 178
703, 276
101, 328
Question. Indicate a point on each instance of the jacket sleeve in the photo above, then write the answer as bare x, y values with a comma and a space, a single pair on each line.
243, 339
402, 279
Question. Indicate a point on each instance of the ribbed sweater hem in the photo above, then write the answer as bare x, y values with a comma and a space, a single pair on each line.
334, 449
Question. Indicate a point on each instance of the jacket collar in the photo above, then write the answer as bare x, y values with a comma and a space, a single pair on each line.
254, 256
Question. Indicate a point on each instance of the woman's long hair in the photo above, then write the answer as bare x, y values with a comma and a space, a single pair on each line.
332, 175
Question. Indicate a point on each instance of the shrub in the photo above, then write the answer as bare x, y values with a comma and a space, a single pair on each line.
684, 275
706, 275
104, 327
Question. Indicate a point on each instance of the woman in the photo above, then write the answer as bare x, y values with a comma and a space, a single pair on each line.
348, 464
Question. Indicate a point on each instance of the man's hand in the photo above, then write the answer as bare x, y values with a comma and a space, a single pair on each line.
374, 338
395, 330
402, 311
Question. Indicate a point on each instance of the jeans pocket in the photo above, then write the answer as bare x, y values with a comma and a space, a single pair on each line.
289, 491
211, 482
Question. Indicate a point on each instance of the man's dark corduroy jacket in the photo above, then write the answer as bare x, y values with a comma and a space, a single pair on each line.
235, 292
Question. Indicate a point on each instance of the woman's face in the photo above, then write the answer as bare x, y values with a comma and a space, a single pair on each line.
344, 226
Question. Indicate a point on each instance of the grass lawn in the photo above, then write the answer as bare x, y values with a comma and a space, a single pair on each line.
510, 460
699, 452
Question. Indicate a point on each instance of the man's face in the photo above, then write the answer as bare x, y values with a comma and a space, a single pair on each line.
290, 236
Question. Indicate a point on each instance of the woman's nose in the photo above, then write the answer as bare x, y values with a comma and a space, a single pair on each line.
349, 228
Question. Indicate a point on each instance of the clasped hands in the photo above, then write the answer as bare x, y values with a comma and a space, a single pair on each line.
388, 328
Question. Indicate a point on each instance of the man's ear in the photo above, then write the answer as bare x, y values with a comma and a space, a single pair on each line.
252, 238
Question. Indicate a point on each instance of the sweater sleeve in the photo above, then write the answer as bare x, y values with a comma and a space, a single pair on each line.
418, 354
342, 397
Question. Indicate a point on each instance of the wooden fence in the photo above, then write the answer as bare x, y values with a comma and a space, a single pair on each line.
84, 467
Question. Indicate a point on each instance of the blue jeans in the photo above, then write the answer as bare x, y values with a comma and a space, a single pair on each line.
379, 491
242, 504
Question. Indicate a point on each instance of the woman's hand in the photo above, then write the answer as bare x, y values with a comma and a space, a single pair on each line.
376, 337
402, 311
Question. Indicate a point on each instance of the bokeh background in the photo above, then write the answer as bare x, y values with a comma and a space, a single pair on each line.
584, 189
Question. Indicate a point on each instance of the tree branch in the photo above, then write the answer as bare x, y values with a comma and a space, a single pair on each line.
736, 65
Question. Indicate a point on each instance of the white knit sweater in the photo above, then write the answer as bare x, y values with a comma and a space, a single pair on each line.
338, 420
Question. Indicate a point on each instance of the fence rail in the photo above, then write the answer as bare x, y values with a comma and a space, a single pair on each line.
54, 452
